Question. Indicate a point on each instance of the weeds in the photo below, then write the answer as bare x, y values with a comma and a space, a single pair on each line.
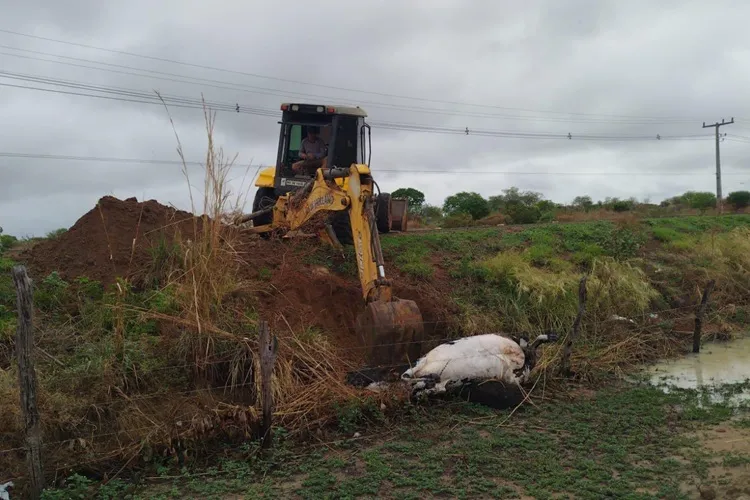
171, 364
133, 371
620, 442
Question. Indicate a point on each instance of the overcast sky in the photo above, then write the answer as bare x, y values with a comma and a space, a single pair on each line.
606, 68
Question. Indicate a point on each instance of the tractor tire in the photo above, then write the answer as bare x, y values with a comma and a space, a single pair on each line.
264, 198
342, 227
383, 213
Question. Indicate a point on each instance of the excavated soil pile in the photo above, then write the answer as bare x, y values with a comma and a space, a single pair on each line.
115, 239
112, 239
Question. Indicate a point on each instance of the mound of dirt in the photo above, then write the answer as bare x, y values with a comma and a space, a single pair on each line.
112, 239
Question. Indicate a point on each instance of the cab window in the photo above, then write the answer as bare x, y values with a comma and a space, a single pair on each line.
295, 141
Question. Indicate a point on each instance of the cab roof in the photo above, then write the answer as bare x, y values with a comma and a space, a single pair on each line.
337, 109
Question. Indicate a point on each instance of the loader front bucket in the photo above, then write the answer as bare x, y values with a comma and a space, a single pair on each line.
391, 331
399, 212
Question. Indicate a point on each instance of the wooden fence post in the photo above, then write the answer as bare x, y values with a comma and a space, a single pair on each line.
268, 347
699, 312
27, 379
565, 364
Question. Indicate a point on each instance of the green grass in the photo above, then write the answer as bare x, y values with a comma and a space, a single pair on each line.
524, 280
621, 443
666, 234
7, 300
414, 260
699, 224
554, 256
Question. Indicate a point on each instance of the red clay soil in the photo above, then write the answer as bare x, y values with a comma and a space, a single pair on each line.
100, 246
300, 297
111, 240
305, 296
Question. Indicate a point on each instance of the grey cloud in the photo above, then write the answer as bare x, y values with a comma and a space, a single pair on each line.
583, 56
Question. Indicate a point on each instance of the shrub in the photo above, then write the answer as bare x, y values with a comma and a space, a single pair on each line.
621, 206
540, 254
458, 220
522, 214
586, 254
493, 220
699, 200
739, 199
52, 235
6, 241
431, 214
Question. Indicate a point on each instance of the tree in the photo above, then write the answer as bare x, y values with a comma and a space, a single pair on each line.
739, 199
467, 203
699, 200
584, 202
431, 213
618, 205
546, 206
415, 197
527, 198
498, 203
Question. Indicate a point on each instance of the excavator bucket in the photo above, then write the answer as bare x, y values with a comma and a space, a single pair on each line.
392, 331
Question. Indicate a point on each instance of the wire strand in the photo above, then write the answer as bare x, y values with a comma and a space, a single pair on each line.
134, 96
331, 87
106, 159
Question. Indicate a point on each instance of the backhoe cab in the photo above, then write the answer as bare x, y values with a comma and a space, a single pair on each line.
334, 197
347, 137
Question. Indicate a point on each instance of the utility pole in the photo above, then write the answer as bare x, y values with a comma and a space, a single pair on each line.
718, 160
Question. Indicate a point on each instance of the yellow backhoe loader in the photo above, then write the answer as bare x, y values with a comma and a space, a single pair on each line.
332, 194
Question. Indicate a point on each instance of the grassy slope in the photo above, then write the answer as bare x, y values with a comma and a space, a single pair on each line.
498, 278
677, 247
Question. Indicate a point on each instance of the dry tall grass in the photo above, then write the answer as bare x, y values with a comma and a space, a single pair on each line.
540, 296
109, 401
308, 375
529, 297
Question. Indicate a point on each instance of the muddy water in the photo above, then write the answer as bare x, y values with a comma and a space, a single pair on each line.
717, 364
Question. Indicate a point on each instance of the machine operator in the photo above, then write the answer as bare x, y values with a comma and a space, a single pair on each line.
312, 153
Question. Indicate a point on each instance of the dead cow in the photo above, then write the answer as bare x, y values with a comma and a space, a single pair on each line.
488, 369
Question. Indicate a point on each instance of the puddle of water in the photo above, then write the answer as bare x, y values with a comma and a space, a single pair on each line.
717, 364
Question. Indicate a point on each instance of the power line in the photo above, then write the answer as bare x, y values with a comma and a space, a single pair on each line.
737, 138
218, 84
136, 96
105, 159
140, 94
332, 87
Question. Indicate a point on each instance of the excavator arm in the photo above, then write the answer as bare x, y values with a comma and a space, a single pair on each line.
391, 329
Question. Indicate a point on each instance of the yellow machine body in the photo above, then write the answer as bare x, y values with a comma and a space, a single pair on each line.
391, 328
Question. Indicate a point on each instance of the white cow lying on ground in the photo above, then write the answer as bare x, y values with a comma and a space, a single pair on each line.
488, 369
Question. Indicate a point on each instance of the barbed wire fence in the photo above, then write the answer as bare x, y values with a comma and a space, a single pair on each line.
267, 347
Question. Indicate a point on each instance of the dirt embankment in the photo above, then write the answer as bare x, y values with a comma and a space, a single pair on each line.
117, 238
112, 239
